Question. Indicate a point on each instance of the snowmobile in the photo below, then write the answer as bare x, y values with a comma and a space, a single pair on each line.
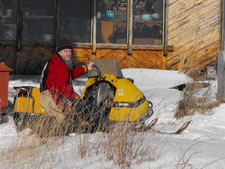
108, 97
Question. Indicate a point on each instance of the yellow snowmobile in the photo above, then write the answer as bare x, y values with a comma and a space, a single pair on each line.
108, 97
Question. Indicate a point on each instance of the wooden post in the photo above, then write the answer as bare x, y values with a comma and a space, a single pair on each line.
93, 28
130, 26
222, 23
221, 76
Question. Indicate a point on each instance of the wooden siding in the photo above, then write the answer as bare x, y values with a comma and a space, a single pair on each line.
194, 30
138, 59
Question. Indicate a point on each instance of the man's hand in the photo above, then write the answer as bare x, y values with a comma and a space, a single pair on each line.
90, 65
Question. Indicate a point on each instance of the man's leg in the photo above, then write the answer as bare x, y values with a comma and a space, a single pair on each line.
50, 107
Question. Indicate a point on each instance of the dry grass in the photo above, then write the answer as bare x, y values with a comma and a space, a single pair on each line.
196, 99
121, 145
83, 145
185, 156
197, 94
45, 126
124, 146
30, 152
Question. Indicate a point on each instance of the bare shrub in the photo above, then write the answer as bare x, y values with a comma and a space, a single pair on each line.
83, 145
121, 144
195, 100
186, 155
43, 125
183, 160
124, 146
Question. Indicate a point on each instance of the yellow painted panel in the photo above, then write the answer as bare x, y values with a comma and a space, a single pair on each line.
29, 105
128, 114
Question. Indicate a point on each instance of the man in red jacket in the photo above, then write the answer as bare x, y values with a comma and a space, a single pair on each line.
57, 92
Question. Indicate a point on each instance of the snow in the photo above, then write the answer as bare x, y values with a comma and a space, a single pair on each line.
201, 145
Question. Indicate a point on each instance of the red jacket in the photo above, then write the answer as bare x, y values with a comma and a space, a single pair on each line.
59, 78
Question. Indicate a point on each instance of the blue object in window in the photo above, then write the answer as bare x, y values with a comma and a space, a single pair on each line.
110, 14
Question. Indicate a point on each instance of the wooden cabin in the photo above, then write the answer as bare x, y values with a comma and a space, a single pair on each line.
156, 34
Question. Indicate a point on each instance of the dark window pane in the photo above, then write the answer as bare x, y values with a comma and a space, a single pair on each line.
111, 21
148, 22
38, 21
8, 19
75, 21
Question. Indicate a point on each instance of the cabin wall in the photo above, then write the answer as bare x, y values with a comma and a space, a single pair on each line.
194, 35
194, 31
29, 60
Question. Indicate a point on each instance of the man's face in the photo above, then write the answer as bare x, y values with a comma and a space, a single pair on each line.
66, 54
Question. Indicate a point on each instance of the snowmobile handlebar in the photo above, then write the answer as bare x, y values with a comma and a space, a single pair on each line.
97, 70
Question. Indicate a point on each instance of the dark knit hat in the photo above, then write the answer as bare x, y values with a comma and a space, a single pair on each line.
64, 46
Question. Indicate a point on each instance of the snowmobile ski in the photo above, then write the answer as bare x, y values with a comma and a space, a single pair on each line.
151, 124
178, 131
155, 120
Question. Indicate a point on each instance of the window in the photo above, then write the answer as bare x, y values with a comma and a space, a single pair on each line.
75, 21
147, 22
38, 21
111, 21
8, 19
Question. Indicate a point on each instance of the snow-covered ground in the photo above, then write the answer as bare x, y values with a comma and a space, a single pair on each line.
201, 145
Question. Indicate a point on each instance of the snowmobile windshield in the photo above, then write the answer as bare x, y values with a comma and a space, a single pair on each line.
106, 66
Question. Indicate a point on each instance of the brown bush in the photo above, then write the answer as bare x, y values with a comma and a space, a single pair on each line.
193, 102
